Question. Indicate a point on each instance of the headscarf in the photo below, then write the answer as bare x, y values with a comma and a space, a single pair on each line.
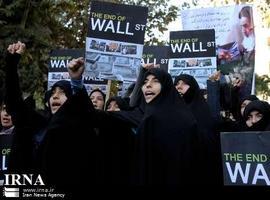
65, 86
98, 90
121, 102
194, 89
166, 136
207, 129
168, 95
263, 108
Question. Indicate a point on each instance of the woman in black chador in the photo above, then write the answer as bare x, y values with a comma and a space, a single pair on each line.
240, 123
62, 148
115, 138
257, 116
167, 134
189, 89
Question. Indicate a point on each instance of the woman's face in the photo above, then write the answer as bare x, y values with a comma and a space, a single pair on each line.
151, 88
97, 100
6, 121
113, 106
57, 99
253, 118
182, 87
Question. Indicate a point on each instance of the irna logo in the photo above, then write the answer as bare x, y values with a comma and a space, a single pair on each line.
23, 179
11, 192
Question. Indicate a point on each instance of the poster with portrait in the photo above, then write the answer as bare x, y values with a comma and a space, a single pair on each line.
246, 158
193, 53
159, 55
114, 42
59, 59
235, 41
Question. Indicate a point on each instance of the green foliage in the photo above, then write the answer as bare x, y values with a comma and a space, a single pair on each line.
47, 24
27, 21
160, 14
114, 88
262, 86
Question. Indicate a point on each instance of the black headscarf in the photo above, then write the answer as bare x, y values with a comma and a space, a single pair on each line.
47, 96
263, 108
122, 103
65, 86
129, 90
239, 116
46, 112
196, 102
249, 97
98, 90
194, 90
168, 94
207, 129
167, 136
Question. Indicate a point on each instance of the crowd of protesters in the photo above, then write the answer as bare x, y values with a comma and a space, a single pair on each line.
164, 134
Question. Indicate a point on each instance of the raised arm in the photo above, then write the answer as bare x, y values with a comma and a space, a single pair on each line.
13, 98
213, 95
80, 101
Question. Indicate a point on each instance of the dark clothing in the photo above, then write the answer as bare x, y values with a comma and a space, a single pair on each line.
137, 96
66, 154
123, 103
116, 145
70, 142
207, 129
240, 123
25, 119
263, 108
213, 99
226, 124
199, 108
237, 106
167, 138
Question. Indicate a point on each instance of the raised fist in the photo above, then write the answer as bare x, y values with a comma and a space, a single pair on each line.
18, 48
76, 68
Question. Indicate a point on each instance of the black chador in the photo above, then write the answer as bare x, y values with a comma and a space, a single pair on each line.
61, 148
262, 108
116, 145
167, 137
198, 106
207, 133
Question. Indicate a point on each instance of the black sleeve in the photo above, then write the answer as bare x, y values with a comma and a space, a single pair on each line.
22, 115
137, 96
130, 118
76, 108
235, 105
79, 104
213, 98
13, 93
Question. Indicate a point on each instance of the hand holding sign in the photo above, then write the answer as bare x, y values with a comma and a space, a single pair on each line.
76, 68
150, 66
237, 82
215, 76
